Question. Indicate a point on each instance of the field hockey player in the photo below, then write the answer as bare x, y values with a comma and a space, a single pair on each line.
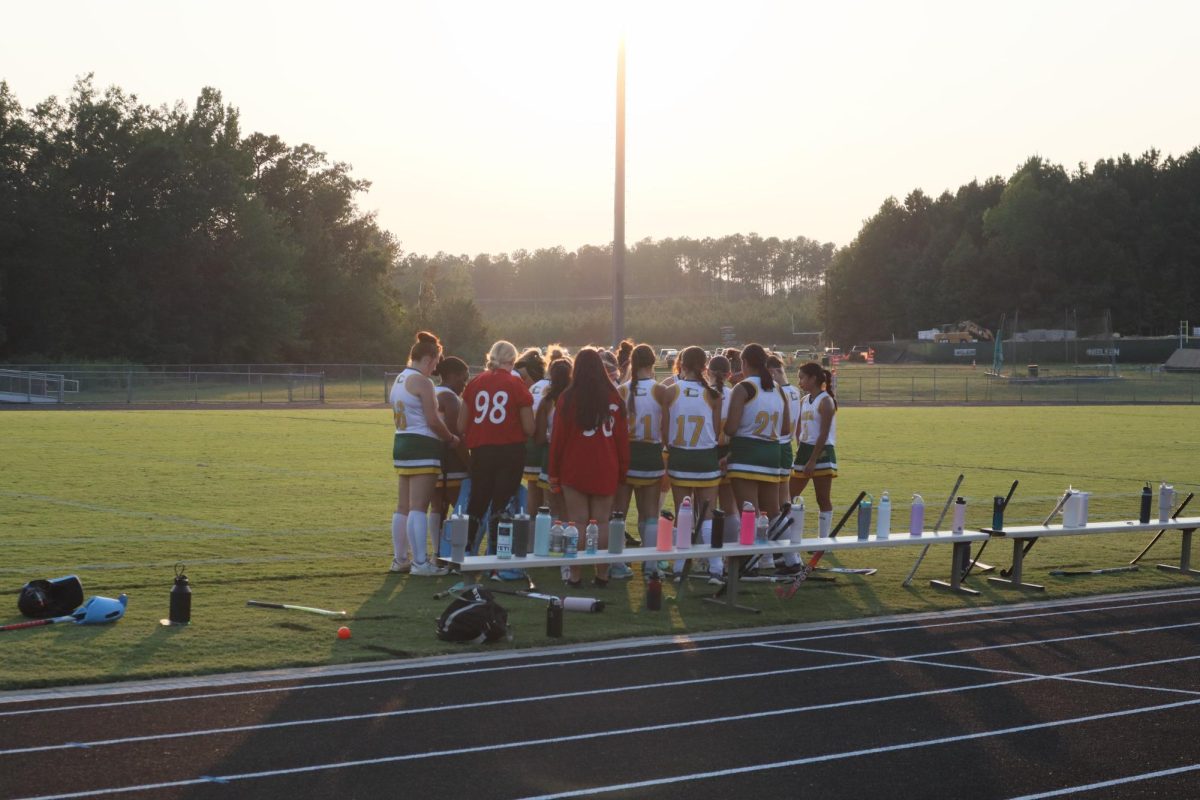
816, 459
758, 416
643, 398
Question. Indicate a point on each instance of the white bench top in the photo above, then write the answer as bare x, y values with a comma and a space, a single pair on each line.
630, 554
1124, 526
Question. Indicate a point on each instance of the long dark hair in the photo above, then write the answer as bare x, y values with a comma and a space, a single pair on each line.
560, 378
590, 390
717, 364
814, 370
694, 359
754, 362
533, 363
641, 357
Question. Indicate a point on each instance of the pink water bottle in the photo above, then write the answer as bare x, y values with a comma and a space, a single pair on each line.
664, 531
749, 519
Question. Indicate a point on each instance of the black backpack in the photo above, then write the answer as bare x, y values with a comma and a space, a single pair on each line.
474, 616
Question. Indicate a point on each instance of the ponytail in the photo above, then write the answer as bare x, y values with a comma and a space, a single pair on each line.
640, 357
694, 359
827, 376
754, 361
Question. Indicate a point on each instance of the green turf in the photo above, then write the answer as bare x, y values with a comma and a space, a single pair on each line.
295, 505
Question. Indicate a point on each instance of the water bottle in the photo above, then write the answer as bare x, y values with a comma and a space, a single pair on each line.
654, 593
570, 540
760, 528
554, 619
997, 513
883, 525
460, 527
683, 525
1070, 513
665, 520
1144, 512
556, 539
746, 534
916, 516
180, 610
541, 532
1166, 499
960, 515
797, 514
616, 532
718, 528
591, 538
864, 519
444, 546
504, 536
521, 535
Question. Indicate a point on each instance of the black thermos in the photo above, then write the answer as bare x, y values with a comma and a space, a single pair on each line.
554, 615
718, 528
1144, 513
181, 599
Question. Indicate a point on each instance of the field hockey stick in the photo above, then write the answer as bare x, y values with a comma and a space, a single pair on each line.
846, 570
774, 531
687, 562
1104, 571
936, 528
787, 592
37, 623
322, 611
1158, 535
1062, 501
983, 546
587, 604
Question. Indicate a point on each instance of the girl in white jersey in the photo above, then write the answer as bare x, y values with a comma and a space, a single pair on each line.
416, 455
794, 398
531, 366
816, 459
643, 398
691, 419
758, 416
718, 375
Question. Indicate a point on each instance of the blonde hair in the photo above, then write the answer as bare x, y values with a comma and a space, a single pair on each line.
502, 352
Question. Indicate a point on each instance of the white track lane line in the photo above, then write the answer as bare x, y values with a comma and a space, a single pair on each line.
476, 669
627, 731
1018, 677
1145, 776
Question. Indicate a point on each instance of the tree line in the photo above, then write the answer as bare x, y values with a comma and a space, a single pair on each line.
1047, 245
169, 235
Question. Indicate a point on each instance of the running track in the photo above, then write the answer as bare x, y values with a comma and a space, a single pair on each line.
1095, 698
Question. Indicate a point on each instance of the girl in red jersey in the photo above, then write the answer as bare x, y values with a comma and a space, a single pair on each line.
589, 451
496, 418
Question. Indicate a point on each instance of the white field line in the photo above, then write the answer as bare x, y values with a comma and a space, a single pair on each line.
624, 732
474, 668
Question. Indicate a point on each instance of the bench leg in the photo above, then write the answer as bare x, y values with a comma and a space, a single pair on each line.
732, 567
1014, 579
1185, 557
959, 559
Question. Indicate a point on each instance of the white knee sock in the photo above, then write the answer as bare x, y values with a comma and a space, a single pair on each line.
435, 527
716, 566
399, 536
416, 536
824, 523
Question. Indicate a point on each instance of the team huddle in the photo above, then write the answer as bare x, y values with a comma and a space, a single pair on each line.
589, 436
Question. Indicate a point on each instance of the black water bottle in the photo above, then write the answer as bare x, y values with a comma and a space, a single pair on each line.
1144, 512
554, 619
181, 599
654, 593
718, 528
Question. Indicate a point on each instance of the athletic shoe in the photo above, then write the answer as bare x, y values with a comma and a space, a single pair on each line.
715, 580
676, 577
401, 566
428, 569
511, 574
494, 575
664, 566
620, 571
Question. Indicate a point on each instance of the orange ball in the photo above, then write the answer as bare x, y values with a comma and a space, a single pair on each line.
343, 632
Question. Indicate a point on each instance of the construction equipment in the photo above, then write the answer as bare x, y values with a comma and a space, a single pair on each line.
963, 331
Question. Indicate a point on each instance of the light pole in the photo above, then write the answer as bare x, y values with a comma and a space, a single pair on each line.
618, 286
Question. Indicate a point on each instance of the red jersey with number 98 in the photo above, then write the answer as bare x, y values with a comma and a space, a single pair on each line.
494, 400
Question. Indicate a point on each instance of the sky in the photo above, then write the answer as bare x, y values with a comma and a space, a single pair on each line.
490, 126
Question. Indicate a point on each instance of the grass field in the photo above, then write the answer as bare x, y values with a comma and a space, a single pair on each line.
294, 506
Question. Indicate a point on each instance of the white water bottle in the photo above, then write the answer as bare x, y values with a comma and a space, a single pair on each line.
883, 522
797, 515
960, 515
683, 525
916, 516
570, 540
591, 538
1166, 499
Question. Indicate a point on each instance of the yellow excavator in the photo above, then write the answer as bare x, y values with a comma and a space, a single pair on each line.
964, 331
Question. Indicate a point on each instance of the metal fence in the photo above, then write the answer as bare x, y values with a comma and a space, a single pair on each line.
158, 385
26, 386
